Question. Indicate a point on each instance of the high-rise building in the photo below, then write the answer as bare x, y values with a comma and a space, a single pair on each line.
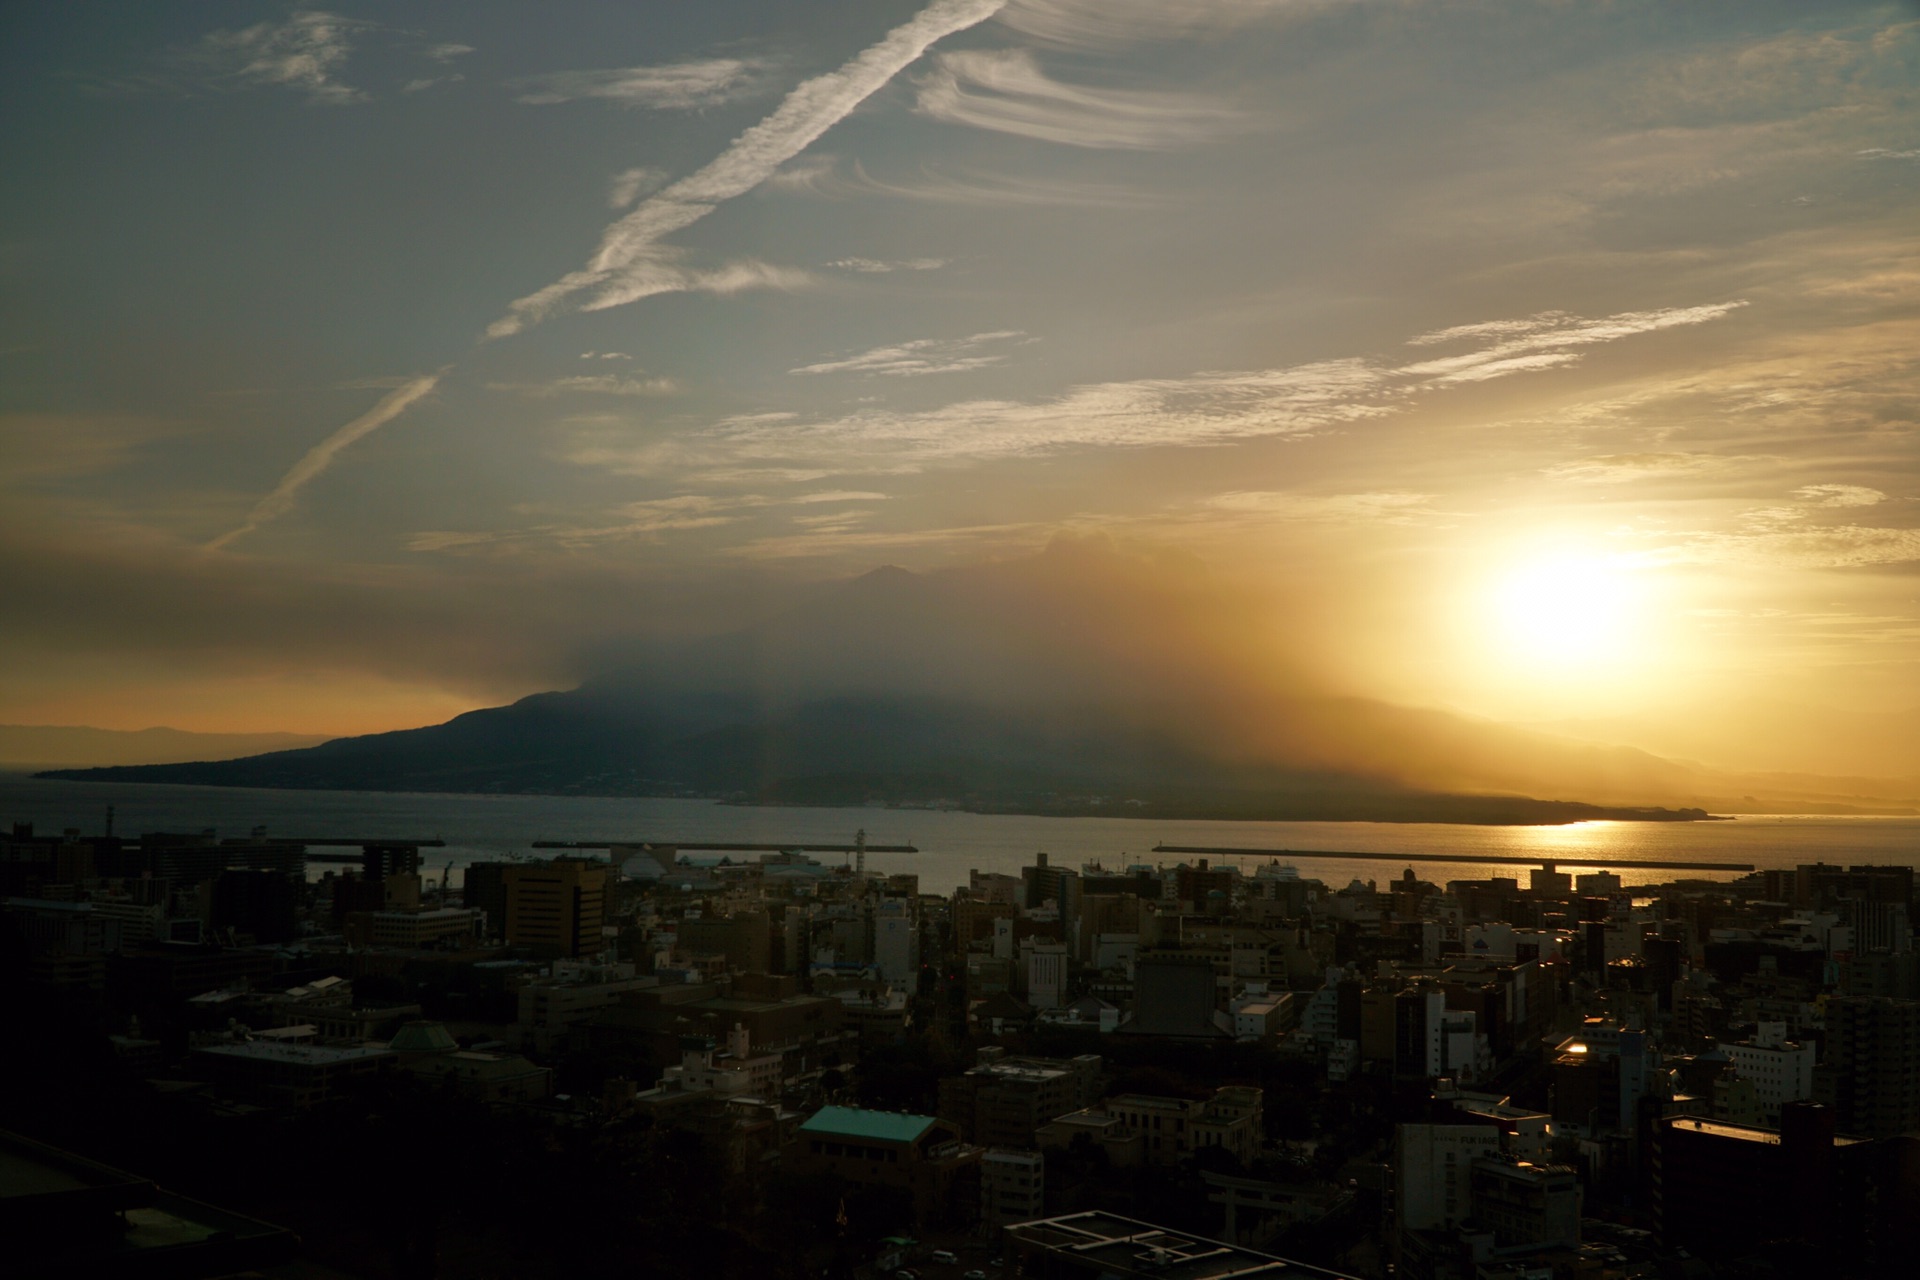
1002, 1101
1433, 1172
1012, 1187
1526, 1204
1716, 1185
1781, 1069
485, 889
262, 904
559, 906
896, 943
1046, 975
745, 938
1870, 1072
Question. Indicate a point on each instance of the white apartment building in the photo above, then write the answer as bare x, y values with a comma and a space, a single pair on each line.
1434, 1167
1781, 1069
1012, 1187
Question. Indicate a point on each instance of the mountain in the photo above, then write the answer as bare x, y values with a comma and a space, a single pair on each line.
35, 746
1079, 680
844, 751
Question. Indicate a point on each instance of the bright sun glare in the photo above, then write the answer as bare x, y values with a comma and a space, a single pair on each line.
1565, 610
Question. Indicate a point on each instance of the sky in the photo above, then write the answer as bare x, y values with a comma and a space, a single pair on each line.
1547, 362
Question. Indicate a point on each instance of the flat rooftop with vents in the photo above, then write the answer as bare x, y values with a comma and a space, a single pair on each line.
1098, 1244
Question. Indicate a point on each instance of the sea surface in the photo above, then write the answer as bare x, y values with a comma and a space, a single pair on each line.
477, 828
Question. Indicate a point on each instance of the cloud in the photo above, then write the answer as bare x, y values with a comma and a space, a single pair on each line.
839, 495
1005, 91
808, 174
971, 187
1785, 77
1839, 495
630, 184
448, 52
1389, 507
427, 82
923, 356
321, 456
303, 53
647, 520
1882, 153
831, 540
677, 86
627, 264
1206, 408
871, 266
600, 384
1113, 23
1201, 409
1844, 546
1619, 468
1543, 341
1783, 536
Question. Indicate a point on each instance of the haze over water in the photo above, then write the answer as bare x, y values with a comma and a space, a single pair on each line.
477, 828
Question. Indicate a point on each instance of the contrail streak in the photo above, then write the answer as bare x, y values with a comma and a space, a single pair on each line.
320, 457
628, 265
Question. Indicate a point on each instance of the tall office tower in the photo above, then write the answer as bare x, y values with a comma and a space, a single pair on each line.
1870, 1075
485, 889
559, 906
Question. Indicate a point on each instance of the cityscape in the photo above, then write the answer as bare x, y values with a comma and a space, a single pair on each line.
960, 639
775, 1061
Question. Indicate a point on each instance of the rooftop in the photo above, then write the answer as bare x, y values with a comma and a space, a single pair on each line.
310, 1054
1108, 1245
1741, 1132
69, 1216
879, 1126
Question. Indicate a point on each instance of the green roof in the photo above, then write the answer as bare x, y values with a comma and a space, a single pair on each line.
880, 1126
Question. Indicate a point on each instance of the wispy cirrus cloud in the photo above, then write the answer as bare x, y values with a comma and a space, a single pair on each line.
1839, 495
924, 356
304, 53
649, 519
1373, 508
1205, 408
1845, 546
1200, 409
1114, 23
1547, 340
833, 540
674, 86
599, 384
1006, 91
974, 187
1790, 535
1621, 468
873, 266
627, 264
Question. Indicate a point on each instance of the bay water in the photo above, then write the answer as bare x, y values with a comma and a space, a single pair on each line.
483, 827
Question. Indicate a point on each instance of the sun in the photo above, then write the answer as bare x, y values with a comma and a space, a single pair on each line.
1565, 610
